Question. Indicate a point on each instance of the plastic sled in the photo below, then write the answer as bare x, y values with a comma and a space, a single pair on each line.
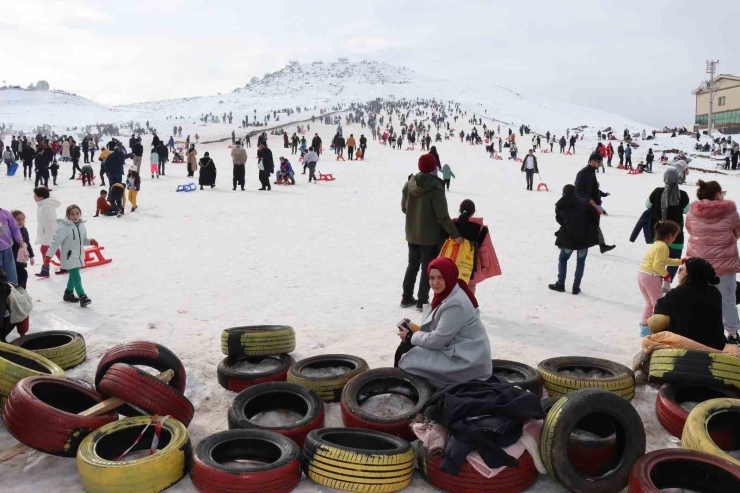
498, 158
518, 160
542, 185
188, 187
544, 151
340, 157
621, 166
79, 177
230, 147
283, 181
93, 258
634, 172
568, 153
326, 177
13, 168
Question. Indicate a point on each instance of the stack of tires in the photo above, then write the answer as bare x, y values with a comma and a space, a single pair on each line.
63, 347
561, 376
17, 363
255, 354
696, 367
672, 415
327, 374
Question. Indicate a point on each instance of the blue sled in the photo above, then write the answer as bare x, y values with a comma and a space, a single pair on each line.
188, 187
12, 169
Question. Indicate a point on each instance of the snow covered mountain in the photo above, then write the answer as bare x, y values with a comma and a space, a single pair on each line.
319, 85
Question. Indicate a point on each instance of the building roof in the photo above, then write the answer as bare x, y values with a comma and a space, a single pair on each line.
704, 89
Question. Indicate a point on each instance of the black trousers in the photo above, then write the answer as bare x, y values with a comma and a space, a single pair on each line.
265, 179
363, 152
161, 166
628, 161
351, 153
75, 167
419, 257
102, 174
621, 159
42, 176
294, 149
530, 178
27, 166
447, 184
238, 175
403, 348
86, 154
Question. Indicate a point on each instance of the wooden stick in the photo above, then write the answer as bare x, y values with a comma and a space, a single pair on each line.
98, 409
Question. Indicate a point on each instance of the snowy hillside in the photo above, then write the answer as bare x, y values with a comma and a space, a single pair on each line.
316, 87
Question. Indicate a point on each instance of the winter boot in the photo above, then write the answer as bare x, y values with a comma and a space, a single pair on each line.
733, 339
420, 306
84, 301
606, 248
70, 297
644, 330
557, 287
63, 271
44, 271
576, 290
407, 302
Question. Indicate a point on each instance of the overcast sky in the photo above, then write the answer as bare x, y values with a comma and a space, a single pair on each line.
641, 59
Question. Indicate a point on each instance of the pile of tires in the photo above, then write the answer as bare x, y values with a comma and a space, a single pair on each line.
63, 347
117, 377
348, 459
278, 396
17, 363
327, 374
510, 480
258, 340
239, 373
274, 463
99, 458
672, 416
380, 381
697, 367
683, 470
565, 417
558, 379
715, 416
518, 374
42, 413
592, 445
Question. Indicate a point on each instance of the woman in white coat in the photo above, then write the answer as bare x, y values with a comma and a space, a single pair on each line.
451, 345
66, 155
46, 223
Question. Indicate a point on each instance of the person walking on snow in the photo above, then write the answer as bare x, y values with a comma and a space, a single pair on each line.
425, 206
579, 231
239, 160
628, 156
529, 166
71, 238
620, 152
351, 144
587, 187
447, 175
207, 174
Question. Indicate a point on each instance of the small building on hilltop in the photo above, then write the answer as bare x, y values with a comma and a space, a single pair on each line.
726, 108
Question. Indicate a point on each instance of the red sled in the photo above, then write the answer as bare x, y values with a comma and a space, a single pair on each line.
79, 176
621, 167
544, 151
568, 153
93, 257
499, 158
634, 172
518, 160
542, 185
326, 177
340, 157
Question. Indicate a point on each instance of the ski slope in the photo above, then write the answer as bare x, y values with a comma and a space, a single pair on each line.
328, 260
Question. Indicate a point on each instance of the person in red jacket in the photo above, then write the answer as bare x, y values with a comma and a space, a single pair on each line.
601, 149
609, 154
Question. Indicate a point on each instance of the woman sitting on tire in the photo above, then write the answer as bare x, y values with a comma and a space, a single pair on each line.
713, 225
451, 345
694, 308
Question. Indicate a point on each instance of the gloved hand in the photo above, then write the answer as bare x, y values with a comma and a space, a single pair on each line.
93, 242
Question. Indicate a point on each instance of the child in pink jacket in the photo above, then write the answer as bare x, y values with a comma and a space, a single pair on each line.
472, 229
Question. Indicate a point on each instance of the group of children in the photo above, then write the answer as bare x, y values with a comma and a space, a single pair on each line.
113, 203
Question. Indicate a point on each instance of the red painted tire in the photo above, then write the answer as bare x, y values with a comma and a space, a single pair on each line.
673, 417
510, 480
41, 412
273, 396
231, 378
281, 472
146, 392
384, 381
684, 469
143, 353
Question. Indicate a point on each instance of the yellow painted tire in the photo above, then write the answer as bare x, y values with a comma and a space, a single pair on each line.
698, 367
306, 373
723, 412
99, 471
361, 461
63, 347
258, 340
17, 363
620, 379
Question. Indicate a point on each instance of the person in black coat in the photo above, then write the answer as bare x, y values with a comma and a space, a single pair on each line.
163, 154
75, 154
694, 308
207, 174
620, 151
587, 187
114, 164
264, 156
27, 155
579, 231
672, 207
316, 144
44, 157
155, 141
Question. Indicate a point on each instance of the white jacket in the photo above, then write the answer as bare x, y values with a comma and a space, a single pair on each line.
46, 217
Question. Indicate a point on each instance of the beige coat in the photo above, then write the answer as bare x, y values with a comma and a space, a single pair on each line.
239, 155
193, 160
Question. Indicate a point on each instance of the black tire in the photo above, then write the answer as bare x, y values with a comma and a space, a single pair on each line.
63, 347
518, 374
697, 367
563, 418
258, 340
328, 388
358, 460
384, 381
620, 379
278, 395
231, 378
279, 473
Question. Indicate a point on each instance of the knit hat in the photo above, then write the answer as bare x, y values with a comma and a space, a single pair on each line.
427, 163
699, 270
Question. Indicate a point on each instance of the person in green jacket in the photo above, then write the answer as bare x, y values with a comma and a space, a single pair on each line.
447, 174
424, 203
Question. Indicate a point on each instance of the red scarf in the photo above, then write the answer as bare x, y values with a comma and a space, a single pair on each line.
449, 272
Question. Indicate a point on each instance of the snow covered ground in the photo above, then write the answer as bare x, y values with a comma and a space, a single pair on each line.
328, 260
